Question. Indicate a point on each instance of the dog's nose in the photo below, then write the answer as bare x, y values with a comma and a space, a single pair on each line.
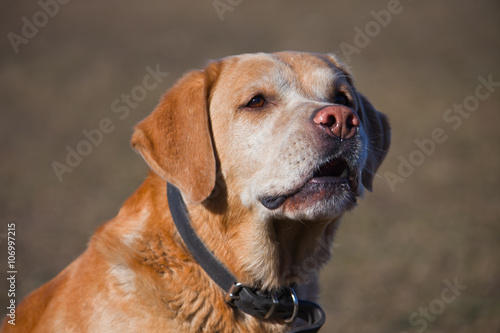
338, 120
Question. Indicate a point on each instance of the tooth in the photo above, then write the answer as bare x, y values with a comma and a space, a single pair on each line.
345, 173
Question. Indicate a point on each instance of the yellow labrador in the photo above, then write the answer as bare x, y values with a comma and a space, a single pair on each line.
268, 151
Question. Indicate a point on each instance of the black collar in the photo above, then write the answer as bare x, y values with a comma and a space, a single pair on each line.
281, 304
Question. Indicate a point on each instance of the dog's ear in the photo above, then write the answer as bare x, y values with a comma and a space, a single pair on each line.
378, 133
175, 139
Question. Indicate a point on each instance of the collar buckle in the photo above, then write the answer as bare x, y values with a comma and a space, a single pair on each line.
232, 294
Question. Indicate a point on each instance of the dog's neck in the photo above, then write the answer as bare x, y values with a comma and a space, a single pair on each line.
263, 253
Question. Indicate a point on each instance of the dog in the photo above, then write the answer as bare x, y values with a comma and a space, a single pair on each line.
267, 151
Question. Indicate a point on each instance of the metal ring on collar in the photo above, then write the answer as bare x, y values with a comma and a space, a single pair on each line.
232, 294
295, 306
273, 307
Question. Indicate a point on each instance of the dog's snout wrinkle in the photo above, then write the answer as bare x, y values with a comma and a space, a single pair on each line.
339, 121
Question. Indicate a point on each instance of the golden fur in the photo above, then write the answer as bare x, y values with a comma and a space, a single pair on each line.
137, 276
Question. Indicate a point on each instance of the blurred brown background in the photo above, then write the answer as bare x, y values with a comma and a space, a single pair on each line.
393, 255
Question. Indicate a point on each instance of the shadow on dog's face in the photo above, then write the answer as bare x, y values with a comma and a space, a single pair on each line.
275, 124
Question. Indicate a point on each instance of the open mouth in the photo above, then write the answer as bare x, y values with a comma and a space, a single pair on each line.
334, 170
329, 179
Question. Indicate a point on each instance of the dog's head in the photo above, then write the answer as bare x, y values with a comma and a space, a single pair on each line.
287, 133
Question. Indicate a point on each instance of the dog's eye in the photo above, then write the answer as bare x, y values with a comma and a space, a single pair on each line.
257, 101
341, 99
